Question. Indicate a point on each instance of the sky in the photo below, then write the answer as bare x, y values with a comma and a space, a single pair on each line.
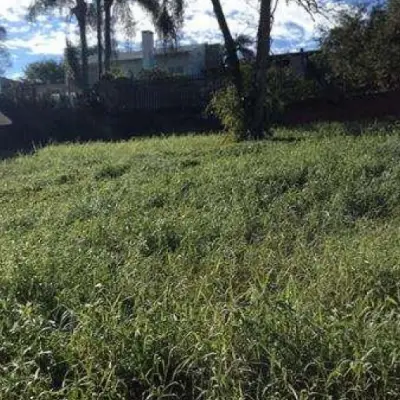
45, 39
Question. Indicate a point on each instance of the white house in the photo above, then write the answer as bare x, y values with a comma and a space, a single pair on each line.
190, 60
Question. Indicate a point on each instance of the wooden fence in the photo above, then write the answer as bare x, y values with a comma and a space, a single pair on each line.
158, 95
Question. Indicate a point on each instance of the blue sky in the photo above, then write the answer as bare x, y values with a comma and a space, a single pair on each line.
45, 39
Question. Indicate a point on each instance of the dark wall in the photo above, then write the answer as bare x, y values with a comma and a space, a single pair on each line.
38, 122
351, 108
41, 122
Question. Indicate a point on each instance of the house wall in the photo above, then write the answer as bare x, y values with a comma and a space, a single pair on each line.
184, 63
298, 64
213, 56
93, 74
174, 63
191, 62
129, 67
197, 61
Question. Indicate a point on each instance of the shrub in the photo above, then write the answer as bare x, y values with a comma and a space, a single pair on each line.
225, 105
284, 87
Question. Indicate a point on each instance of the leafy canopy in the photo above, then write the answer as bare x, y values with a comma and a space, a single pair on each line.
48, 71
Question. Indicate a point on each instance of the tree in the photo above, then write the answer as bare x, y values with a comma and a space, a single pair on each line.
244, 46
362, 53
78, 9
166, 14
96, 20
4, 55
49, 71
123, 14
96, 23
107, 34
256, 105
99, 19
253, 102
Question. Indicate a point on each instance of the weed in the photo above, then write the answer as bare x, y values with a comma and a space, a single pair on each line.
193, 268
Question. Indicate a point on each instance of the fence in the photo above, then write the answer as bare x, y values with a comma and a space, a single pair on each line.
177, 94
124, 108
344, 108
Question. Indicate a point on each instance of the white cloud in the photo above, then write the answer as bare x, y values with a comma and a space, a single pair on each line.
13, 10
50, 43
18, 30
201, 24
47, 36
16, 76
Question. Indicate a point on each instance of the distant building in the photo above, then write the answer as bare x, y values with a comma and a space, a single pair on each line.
190, 60
5, 83
297, 61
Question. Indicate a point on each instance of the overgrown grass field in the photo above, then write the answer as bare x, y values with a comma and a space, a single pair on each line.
194, 268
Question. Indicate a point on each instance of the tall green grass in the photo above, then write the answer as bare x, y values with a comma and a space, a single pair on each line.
192, 268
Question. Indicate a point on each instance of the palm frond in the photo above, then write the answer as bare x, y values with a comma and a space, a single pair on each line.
122, 14
40, 7
92, 16
170, 19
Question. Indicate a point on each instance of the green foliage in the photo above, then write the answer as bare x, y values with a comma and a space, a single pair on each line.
284, 87
116, 72
154, 74
49, 71
226, 106
362, 52
164, 268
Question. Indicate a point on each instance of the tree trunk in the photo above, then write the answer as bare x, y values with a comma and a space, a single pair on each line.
233, 60
107, 35
259, 119
80, 12
99, 17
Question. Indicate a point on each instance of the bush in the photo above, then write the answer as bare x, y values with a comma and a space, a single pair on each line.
225, 105
284, 87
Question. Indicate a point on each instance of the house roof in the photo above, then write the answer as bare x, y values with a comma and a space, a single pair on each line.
295, 54
159, 52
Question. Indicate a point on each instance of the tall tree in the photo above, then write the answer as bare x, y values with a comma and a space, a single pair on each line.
254, 102
257, 112
96, 22
231, 49
362, 52
115, 11
99, 23
50, 71
78, 9
107, 35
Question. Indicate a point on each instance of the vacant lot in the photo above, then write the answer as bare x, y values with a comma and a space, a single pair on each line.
192, 268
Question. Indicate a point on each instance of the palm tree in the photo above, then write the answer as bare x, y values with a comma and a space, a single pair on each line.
232, 58
95, 21
259, 115
123, 10
244, 46
78, 9
99, 25
166, 14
